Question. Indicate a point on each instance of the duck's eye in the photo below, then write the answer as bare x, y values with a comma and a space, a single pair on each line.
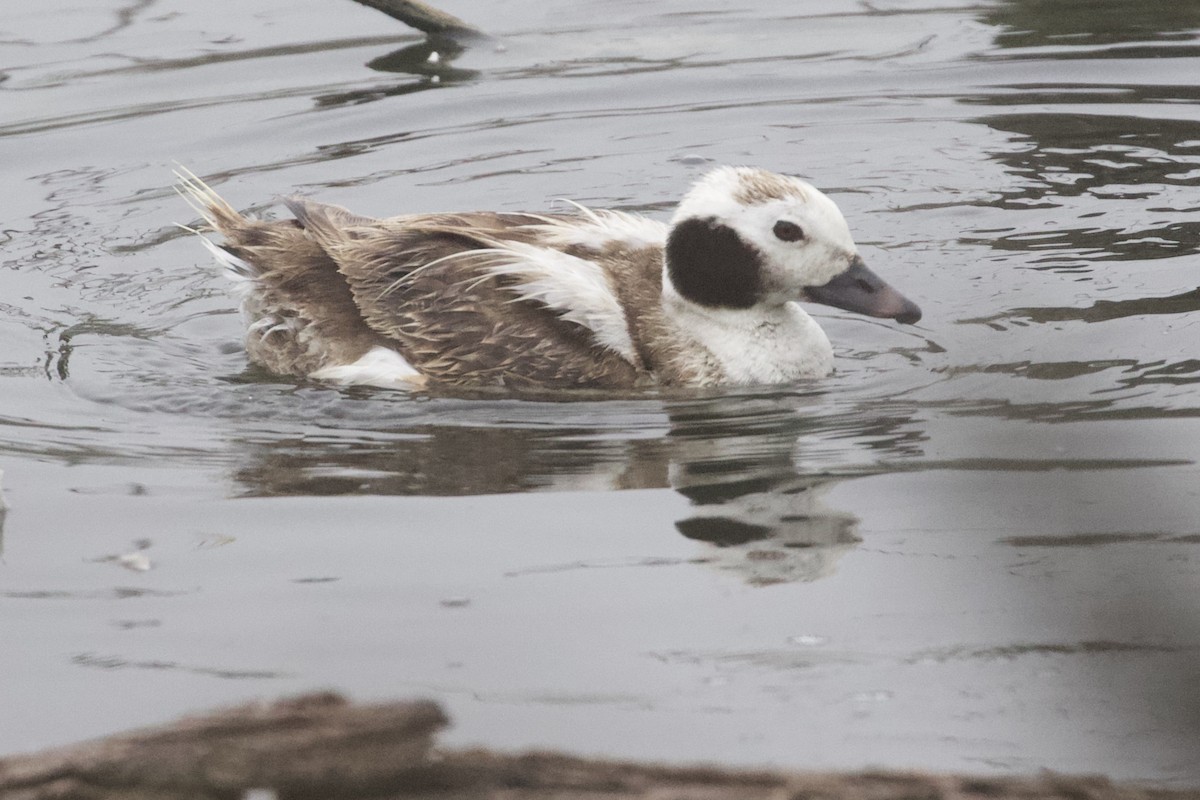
788, 231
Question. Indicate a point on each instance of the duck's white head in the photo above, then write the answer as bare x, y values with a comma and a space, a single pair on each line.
745, 237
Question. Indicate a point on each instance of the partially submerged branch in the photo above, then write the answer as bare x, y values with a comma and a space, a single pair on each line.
424, 18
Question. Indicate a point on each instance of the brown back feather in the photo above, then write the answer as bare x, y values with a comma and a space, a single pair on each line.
635, 275
415, 281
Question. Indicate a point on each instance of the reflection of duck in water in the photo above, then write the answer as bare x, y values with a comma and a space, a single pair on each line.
599, 299
744, 461
777, 532
735, 459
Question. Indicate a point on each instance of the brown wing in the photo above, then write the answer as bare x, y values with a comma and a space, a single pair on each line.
304, 313
419, 281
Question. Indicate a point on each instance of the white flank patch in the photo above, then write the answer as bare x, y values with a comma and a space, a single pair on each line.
598, 229
379, 366
574, 287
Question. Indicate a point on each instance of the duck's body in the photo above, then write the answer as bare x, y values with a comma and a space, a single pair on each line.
599, 299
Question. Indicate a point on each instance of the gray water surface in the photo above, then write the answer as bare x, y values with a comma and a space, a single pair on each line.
975, 547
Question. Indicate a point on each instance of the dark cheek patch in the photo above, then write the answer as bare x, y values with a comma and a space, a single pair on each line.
709, 264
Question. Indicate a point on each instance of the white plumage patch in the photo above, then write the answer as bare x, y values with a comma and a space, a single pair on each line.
599, 229
236, 269
379, 366
759, 345
574, 287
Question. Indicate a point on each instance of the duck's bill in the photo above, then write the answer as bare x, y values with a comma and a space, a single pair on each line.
860, 290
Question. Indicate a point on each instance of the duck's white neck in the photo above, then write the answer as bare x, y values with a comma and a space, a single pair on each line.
758, 345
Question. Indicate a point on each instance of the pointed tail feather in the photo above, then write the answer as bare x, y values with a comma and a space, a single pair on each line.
211, 207
219, 216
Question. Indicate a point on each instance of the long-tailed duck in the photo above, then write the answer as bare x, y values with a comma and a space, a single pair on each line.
598, 299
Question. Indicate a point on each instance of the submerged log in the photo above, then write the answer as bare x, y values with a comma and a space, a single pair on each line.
320, 746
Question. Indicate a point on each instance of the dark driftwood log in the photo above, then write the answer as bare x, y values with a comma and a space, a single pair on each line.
312, 746
423, 17
320, 746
